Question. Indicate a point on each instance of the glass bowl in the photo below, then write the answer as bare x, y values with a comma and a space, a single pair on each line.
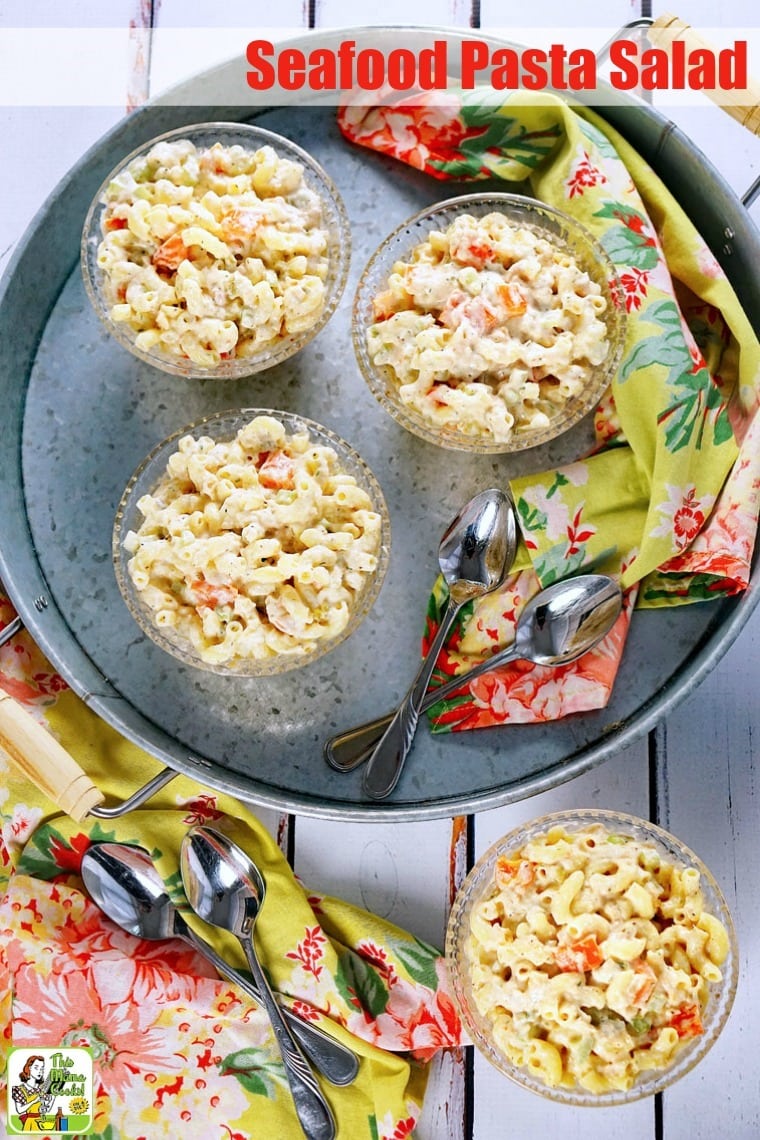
235, 562
462, 965
544, 222
215, 353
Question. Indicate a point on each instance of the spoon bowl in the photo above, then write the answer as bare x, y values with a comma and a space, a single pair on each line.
567, 619
123, 881
223, 886
479, 545
558, 625
226, 888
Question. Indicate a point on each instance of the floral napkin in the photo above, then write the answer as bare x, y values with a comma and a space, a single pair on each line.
668, 498
177, 1050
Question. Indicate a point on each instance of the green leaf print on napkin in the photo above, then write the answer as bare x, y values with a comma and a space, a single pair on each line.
418, 959
50, 852
255, 1071
632, 243
495, 141
356, 979
696, 402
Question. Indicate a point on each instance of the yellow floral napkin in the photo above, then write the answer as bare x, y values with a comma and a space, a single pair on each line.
668, 499
176, 1050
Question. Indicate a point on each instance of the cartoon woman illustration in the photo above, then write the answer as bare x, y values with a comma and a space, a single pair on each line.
32, 1097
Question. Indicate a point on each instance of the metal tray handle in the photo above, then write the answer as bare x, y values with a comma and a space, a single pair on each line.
52, 769
43, 761
55, 771
742, 105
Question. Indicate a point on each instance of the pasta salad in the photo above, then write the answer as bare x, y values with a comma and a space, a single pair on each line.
590, 956
254, 547
488, 327
211, 252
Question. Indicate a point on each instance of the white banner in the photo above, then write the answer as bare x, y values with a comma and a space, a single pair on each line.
93, 67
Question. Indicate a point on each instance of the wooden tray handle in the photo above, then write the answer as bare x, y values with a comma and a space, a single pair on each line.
742, 105
43, 761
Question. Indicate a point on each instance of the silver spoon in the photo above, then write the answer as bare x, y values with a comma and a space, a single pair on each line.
557, 626
123, 881
475, 554
227, 889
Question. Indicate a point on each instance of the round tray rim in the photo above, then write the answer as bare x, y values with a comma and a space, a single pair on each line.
26, 587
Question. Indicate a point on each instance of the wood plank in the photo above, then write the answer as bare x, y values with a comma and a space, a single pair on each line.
241, 14
407, 874
444, 1114
190, 36
344, 13
704, 14
139, 55
444, 1111
400, 872
73, 14
557, 14
710, 778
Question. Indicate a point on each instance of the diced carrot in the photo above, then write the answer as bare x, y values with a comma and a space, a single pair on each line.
170, 253
240, 225
207, 594
517, 872
475, 253
277, 472
116, 224
687, 1021
512, 299
579, 956
482, 316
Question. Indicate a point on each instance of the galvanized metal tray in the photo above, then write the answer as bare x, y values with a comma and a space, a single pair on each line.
79, 413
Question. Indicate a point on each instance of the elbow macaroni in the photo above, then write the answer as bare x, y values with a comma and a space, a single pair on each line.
212, 253
488, 328
578, 989
254, 547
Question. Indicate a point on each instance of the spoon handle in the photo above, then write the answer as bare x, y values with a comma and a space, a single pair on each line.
349, 749
313, 1110
387, 759
334, 1060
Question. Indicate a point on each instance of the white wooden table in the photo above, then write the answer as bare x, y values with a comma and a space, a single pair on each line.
696, 774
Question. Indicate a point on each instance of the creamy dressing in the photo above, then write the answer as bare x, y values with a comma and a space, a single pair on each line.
489, 328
